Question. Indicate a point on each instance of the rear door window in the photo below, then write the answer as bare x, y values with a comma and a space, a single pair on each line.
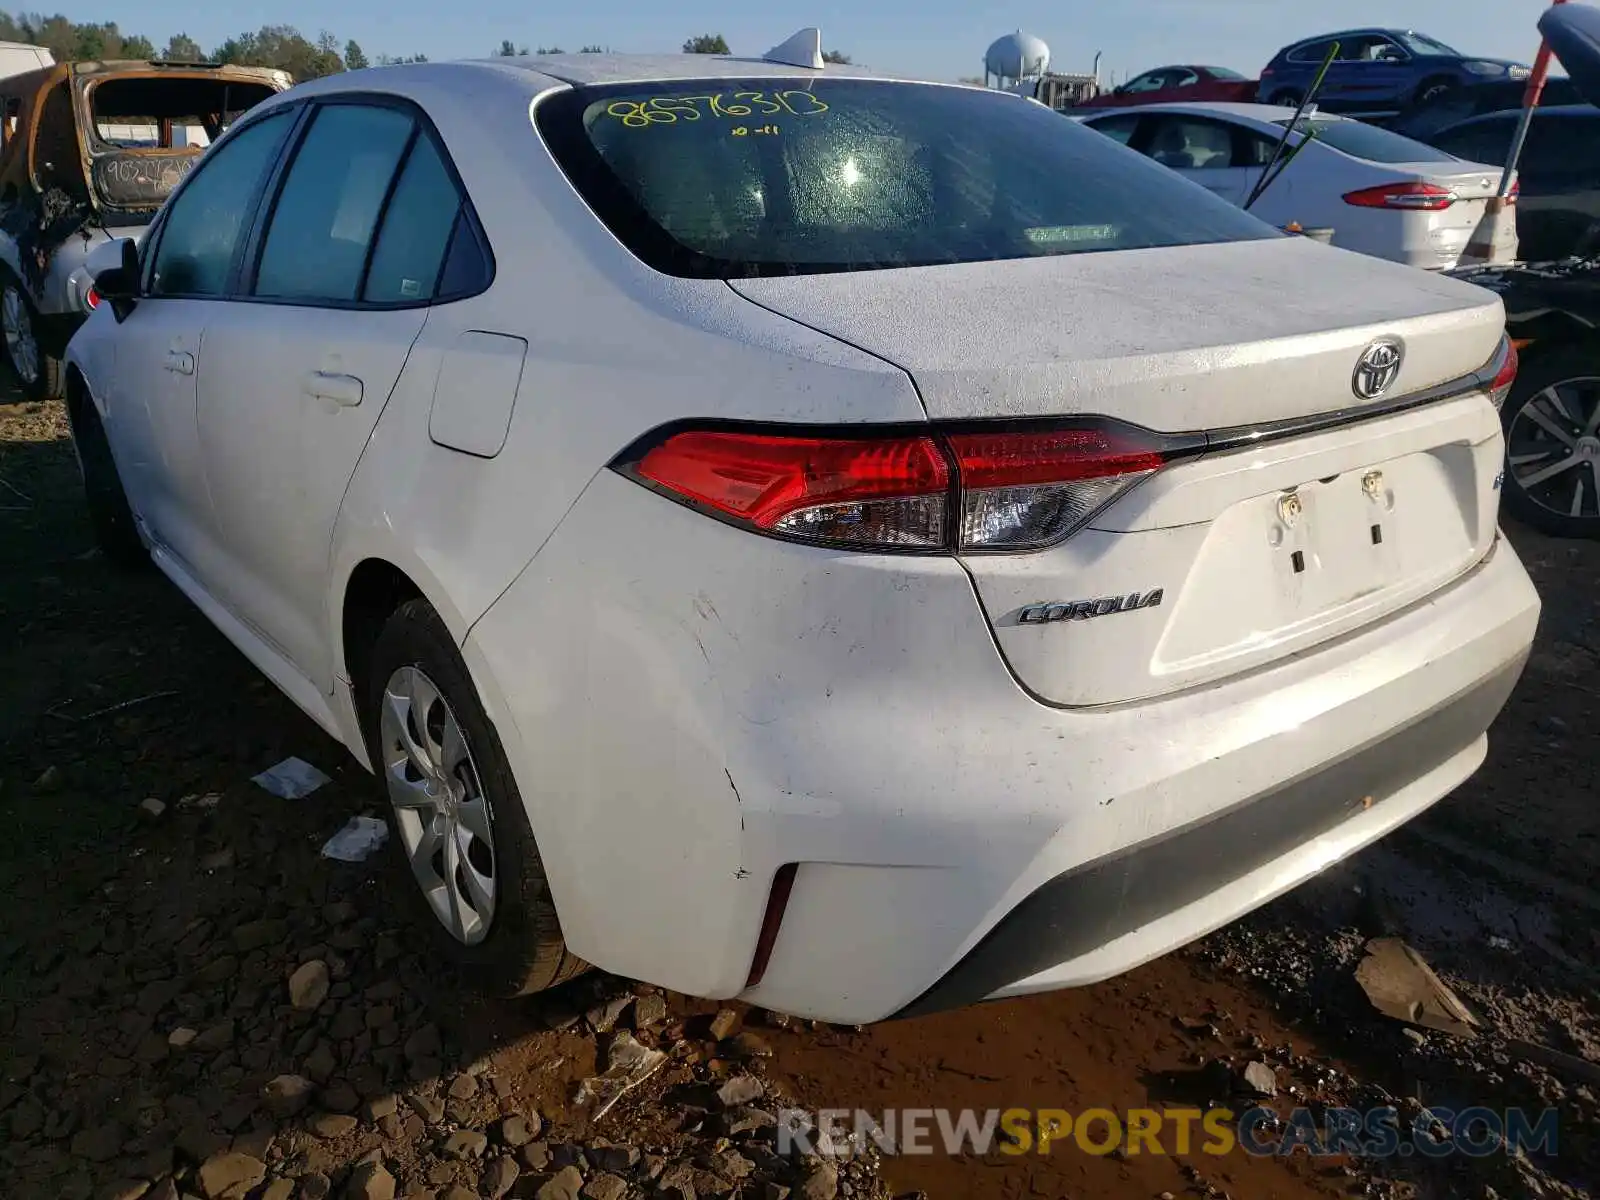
1190, 143
1310, 52
327, 211
726, 178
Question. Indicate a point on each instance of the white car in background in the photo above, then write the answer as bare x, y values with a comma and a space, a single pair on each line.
857, 545
1382, 194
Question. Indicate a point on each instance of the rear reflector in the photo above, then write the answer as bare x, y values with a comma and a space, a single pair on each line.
1505, 372
771, 922
1022, 488
1411, 196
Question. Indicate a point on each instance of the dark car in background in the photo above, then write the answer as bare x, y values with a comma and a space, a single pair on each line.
1454, 105
1558, 207
1377, 71
1171, 85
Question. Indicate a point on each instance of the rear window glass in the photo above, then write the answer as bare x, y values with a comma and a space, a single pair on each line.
722, 178
169, 112
1360, 140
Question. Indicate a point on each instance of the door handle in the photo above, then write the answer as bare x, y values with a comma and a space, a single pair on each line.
343, 390
180, 361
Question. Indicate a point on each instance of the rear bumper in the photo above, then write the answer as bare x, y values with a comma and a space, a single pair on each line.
1228, 863
689, 709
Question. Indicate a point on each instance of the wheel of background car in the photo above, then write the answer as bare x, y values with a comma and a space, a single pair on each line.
463, 849
1432, 89
110, 515
1552, 425
1287, 98
37, 373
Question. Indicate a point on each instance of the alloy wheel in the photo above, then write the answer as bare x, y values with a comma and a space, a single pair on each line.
1553, 448
444, 821
17, 324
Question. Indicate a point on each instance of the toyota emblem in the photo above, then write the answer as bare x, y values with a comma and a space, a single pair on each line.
1378, 368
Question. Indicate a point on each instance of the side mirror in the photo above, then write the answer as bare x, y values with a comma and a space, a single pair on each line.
118, 281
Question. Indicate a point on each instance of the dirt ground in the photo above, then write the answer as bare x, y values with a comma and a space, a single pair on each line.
150, 1043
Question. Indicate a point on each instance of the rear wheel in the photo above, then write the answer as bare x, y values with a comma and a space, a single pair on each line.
1287, 98
38, 374
1552, 425
1432, 89
463, 848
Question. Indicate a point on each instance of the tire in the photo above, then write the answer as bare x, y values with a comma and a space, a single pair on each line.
1432, 89
1561, 386
38, 375
110, 515
1287, 98
516, 948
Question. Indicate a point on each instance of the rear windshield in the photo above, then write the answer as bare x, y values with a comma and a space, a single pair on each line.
724, 178
169, 112
1360, 140
1224, 73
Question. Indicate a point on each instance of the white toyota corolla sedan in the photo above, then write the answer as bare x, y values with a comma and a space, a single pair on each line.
857, 545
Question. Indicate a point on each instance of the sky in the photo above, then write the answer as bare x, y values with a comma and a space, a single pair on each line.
936, 39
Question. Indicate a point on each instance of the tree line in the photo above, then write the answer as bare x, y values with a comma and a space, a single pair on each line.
281, 46
705, 43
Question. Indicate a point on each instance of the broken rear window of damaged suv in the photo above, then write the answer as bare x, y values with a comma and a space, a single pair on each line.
724, 178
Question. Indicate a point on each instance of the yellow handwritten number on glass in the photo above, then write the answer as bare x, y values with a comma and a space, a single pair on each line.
802, 104
767, 106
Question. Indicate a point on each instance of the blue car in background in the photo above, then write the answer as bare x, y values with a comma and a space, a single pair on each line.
1377, 72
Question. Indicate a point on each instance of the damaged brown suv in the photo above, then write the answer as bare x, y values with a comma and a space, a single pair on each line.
88, 151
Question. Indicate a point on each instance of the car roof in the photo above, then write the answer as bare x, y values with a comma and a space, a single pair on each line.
1368, 30
585, 69
1266, 113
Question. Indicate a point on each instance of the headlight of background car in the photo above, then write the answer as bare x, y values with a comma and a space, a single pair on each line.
1485, 68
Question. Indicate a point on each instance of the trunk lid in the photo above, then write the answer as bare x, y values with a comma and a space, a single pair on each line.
1257, 552
1179, 339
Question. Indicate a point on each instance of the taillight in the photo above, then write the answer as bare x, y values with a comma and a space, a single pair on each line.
1505, 372
852, 491
1413, 196
970, 489
1020, 491
91, 298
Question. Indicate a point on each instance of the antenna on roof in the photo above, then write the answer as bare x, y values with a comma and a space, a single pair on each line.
804, 49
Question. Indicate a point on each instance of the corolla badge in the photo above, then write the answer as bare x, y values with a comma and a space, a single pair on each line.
1087, 610
1377, 368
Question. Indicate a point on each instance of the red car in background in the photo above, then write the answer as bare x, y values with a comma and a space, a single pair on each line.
1170, 85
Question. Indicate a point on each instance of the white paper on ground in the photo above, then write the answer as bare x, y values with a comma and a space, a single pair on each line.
358, 841
292, 779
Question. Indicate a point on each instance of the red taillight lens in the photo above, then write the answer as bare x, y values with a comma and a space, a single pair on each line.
871, 491
92, 298
1009, 490
1505, 374
1024, 490
1412, 196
